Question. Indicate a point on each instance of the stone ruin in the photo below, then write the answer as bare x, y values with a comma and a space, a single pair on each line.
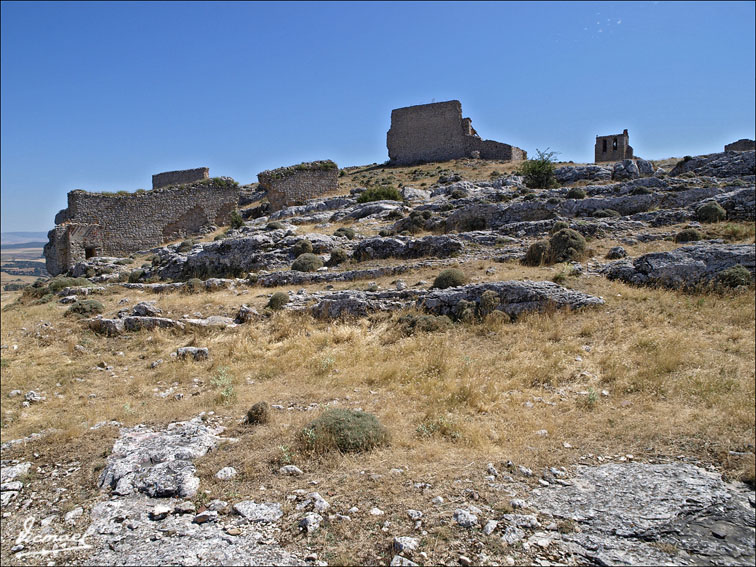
615, 147
181, 177
293, 185
742, 145
438, 132
99, 224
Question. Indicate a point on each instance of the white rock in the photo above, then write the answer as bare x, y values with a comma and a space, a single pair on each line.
226, 473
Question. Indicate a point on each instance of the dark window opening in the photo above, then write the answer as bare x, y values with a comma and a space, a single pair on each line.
604, 146
90, 252
614, 144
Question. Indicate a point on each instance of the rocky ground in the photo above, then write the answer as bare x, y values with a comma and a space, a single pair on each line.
113, 457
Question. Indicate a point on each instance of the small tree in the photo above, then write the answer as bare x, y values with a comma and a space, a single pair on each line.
236, 219
539, 173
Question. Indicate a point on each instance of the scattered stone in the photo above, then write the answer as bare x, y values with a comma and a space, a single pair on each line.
263, 512
291, 470
490, 527
310, 522
160, 512
226, 473
406, 545
465, 518
193, 352
206, 516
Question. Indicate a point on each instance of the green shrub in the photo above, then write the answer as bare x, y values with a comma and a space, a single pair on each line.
576, 193
489, 301
338, 256
537, 254
85, 308
383, 193
135, 276
458, 194
185, 246
307, 263
259, 413
688, 235
566, 245
302, 246
641, 191
346, 232
606, 213
275, 225
278, 300
411, 323
124, 261
539, 173
195, 285
734, 276
710, 212
41, 288
236, 220
252, 278
348, 431
451, 277
559, 225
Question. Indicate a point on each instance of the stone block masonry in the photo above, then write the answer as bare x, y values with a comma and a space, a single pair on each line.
614, 147
287, 186
179, 177
438, 132
743, 145
97, 224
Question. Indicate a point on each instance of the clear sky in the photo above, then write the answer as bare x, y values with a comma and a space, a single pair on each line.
99, 96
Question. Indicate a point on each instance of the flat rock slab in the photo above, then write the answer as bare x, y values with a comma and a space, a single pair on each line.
158, 463
627, 511
122, 533
686, 266
514, 298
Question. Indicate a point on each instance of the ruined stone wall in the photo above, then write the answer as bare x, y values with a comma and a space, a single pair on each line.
180, 177
137, 221
743, 145
615, 147
293, 185
438, 132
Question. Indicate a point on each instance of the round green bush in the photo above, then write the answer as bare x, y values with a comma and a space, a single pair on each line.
275, 225
559, 225
258, 414
385, 193
576, 193
489, 301
346, 232
135, 276
688, 235
307, 263
338, 256
451, 277
710, 212
195, 285
302, 246
278, 300
185, 246
537, 253
85, 308
348, 431
734, 276
566, 245
606, 213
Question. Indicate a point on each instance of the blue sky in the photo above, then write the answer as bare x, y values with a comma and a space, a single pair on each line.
99, 96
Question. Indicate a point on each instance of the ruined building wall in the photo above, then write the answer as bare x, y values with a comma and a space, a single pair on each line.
179, 177
743, 145
289, 186
438, 132
136, 221
615, 147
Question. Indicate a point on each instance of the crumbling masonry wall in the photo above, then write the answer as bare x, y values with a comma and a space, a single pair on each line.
742, 145
117, 225
438, 132
287, 186
179, 177
614, 147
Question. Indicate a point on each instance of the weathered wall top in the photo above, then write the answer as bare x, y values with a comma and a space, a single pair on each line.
438, 132
291, 185
742, 145
614, 147
180, 177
